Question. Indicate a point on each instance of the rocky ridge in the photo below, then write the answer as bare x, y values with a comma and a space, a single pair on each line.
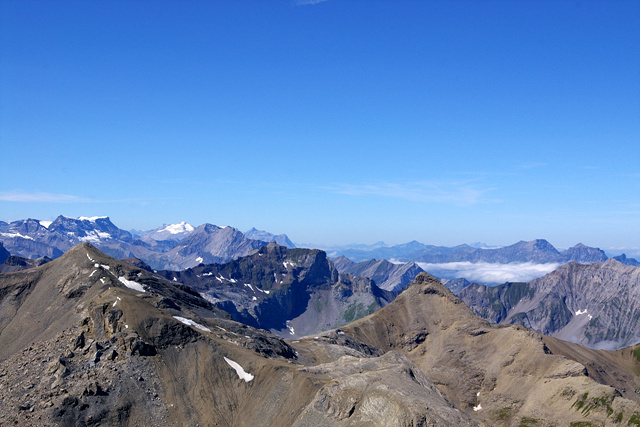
596, 305
291, 292
389, 276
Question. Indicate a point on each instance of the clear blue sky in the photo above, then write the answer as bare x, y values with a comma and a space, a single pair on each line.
333, 121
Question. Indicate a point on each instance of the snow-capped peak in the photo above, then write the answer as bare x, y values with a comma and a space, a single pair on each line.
91, 219
182, 227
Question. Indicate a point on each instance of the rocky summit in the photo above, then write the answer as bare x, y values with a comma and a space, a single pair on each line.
89, 340
291, 292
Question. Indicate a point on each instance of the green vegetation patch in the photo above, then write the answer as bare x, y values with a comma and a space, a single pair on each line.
504, 413
358, 310
528, 422
371, 308
618, 418
586, 405
634, 420
351, 312
579, 403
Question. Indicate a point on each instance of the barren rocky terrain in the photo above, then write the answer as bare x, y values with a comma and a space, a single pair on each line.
90, 340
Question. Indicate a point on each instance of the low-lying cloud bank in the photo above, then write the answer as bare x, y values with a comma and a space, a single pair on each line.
488, 273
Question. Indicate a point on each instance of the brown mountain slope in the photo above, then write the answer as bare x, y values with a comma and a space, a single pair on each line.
89, 340
502, 375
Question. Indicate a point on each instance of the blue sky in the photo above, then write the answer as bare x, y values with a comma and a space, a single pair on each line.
334, 121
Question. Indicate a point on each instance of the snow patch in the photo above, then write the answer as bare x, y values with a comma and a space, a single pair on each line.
16, 235
91, 259
199, 260
91, 219
579, 312
254, 299
477, 408
131, 284
192, 323
251, 287
291, 330
92, 273
239, 370
45, 224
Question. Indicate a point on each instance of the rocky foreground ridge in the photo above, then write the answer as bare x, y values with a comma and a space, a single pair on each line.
90, 340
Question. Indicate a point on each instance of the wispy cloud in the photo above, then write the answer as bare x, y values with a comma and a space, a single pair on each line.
462, 193
40, 197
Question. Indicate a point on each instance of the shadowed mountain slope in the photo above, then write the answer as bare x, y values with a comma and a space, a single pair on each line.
291, 292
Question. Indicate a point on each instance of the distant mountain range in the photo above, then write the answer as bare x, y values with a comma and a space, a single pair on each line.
180, 246
170, 247
536, 251
596, 305
90, 340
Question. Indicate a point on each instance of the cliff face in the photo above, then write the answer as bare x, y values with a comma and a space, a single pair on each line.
292, 292
597, 305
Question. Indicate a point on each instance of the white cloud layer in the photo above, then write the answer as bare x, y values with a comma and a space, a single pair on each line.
488, 273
